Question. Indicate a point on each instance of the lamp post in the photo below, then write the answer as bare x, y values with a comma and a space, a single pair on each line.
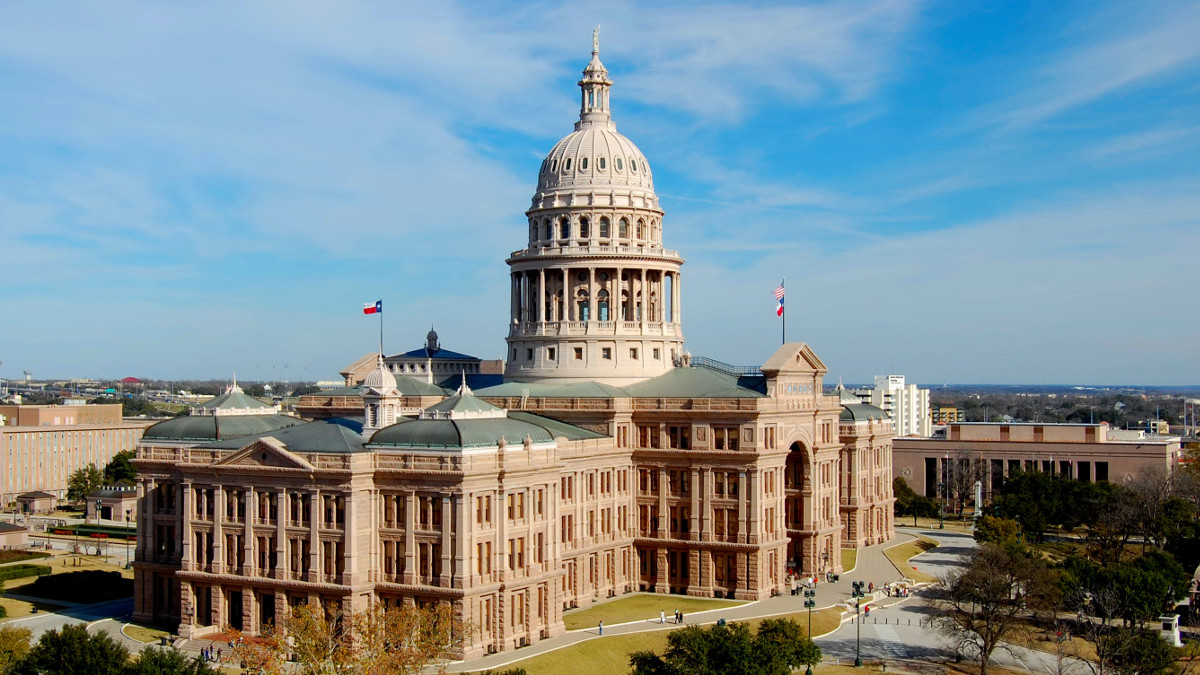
809, 603
128, 554
858, 636
98, 504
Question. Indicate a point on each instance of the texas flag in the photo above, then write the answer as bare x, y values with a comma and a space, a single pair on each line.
376, 308
779, 297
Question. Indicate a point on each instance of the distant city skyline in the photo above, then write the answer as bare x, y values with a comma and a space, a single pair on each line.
956, 192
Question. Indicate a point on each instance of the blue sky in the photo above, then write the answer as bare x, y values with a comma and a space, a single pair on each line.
958, 191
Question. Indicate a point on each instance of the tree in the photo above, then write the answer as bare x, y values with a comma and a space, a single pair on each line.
378, 641
83, 481
72, 650
120, 468
1144, 652
14, 645
1002, 531
780, 646
171, 661
306, 389
909, 503
961, 473
980, 603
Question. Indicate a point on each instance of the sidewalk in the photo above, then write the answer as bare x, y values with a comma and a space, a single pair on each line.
872, 566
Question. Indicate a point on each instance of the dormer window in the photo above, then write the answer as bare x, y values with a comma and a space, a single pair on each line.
633, 165
600, 163
543, 169
567, 165
583, 164
619, 167
554, 166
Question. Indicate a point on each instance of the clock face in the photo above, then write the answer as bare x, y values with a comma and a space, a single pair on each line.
906, 472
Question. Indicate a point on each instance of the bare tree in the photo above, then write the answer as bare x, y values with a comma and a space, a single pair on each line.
980, 604
963, 469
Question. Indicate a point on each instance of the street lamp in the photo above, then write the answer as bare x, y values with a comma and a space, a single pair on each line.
128, 555
809, 603
858, 637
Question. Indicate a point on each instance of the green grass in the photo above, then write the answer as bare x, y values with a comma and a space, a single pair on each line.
849, 559
143, 634
610, 655
16, 555
641, 606
900, 555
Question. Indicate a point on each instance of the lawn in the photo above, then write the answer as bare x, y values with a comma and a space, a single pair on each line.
143, 634
68, 563
900, 555
641, 606
18, 608
84, 586
15, 555
849, 559
610, 655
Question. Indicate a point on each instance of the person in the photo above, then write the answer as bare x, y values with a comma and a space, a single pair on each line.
220, 653
602, 628
871, 587
662, 616
866, 610
680, 617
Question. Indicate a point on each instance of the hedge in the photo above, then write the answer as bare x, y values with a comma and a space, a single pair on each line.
21, 571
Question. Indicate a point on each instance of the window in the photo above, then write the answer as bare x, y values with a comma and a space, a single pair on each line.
623, 228
600, 163
565, 226
543, 169
605, 230
579, 353
633, 165
549, 232
633, 353
657, 353
680, 436
529, 353
583, 164
641, 229
584, 228
725, 438
550, 353
554, 165
606, 352
567, 165
618, 161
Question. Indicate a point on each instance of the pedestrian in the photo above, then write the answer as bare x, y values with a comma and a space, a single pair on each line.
871, 587
220, 654
601, 628
662, 616
676, 616
681, 617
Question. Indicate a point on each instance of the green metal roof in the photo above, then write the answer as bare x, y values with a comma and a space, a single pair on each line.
577, 390
335, 435
859, 412
234, 400
459, 434
555, 427
462, 403
217, 427
696, 383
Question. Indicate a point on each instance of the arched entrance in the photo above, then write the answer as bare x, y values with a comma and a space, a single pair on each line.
797, 473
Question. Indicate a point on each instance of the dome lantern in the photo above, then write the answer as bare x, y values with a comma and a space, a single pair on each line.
595, 85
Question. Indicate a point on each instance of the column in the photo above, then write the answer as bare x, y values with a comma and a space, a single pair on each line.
461, 541
565, 313
513, 309
677, 290
614, 301
706, 485
281, 559
410, 540
350, 536
694, 520
186, 525
148, 517
742, 496
314, 536
753, 485
541, 296
592, 294
447, 519
248, 569
664, 512
644, 301
218, 540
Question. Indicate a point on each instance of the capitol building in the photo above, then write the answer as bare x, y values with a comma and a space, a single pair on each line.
607, 461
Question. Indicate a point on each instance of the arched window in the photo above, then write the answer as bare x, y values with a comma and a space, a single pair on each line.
641, 229
633, 165
554, 166
600, 163
548, 232
565, 228
543, 169
618, 161
584, 228
602, 304
567, 165
623, 229
581, 303
583, 164
605, 231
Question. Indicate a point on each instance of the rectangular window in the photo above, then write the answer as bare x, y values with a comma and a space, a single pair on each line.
550, 353
633, 353
579, 353
680, 436
529, 354
606, 353
657, 354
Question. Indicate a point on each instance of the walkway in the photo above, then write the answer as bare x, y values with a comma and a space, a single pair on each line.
872, 566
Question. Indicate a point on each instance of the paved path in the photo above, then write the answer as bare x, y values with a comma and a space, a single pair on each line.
872, 566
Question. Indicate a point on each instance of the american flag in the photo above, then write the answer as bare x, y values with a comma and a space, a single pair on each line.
779, 297
779, 292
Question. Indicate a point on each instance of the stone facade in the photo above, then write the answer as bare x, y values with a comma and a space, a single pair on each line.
606, 463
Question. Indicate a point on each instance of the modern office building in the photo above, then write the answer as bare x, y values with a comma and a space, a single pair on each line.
906, 404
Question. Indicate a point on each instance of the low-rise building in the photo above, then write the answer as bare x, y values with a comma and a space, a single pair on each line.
1089, 452
41, 446
36, 502
117, 502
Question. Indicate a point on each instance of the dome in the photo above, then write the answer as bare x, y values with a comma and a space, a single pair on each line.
380, 379
595, 156
216, 427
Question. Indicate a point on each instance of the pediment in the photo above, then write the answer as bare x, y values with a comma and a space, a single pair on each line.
794, 358
266, 452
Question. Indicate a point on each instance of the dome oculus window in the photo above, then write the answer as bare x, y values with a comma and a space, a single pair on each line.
600, 163
618, 161
554, 166
583, 164
633, 165
567, 165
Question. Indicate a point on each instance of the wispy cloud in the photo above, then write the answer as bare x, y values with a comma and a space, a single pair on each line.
1143, 144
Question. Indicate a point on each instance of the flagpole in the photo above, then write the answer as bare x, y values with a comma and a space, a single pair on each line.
381, 331
784, 314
